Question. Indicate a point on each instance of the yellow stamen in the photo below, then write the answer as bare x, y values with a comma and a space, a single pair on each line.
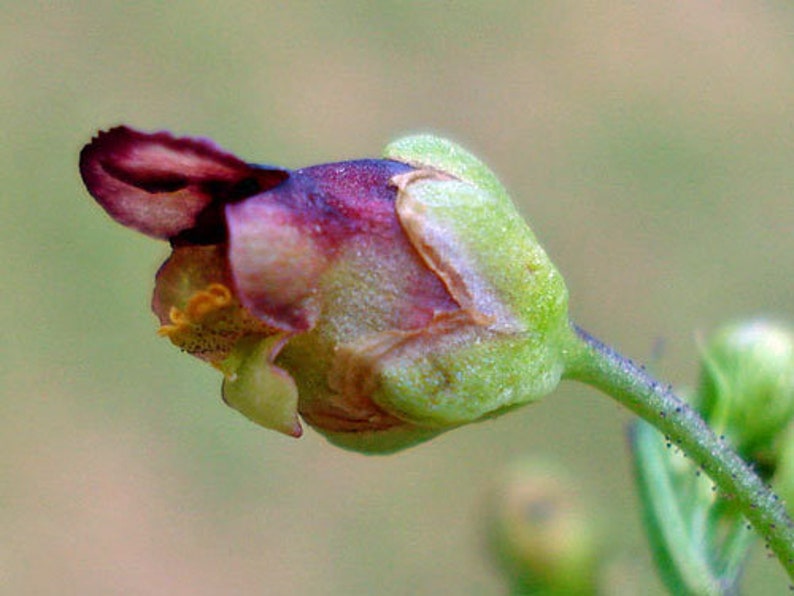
200, 305
211, 324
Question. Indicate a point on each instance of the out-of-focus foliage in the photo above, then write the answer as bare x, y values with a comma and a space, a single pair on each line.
651, 147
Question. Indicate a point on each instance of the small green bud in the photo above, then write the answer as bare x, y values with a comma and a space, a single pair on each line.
543, 538
746, 386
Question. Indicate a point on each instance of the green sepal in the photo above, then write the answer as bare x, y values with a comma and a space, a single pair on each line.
699, 542
505, 348
445, 156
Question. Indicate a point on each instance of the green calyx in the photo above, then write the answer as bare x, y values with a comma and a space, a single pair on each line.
503, 348
499, 348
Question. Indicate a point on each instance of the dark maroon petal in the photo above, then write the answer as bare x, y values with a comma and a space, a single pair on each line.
166, 186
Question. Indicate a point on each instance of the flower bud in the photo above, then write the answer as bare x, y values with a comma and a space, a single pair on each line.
747, 384
382, 300
541, 535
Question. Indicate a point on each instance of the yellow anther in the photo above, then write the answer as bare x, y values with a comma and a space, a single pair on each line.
210, 325
176, 316
201, 304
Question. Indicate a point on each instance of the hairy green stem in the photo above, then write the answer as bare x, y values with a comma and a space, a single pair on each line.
592, 362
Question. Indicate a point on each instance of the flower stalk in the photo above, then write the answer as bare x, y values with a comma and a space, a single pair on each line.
596, 364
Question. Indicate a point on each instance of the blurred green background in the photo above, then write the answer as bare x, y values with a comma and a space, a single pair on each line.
650, 144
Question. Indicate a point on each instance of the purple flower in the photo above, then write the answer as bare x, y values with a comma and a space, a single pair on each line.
332, 291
